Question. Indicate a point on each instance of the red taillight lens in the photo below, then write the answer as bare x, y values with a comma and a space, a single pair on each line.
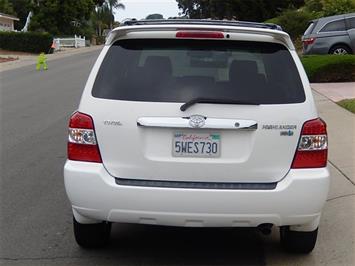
312, 151
309, 41
200, 34
82, 145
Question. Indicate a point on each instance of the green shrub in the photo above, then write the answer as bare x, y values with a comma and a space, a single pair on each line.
31, 42
293, 21
330, 68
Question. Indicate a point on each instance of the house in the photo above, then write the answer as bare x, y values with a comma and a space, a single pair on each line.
7, 22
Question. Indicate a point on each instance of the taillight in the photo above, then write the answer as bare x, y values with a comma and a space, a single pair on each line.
309, 41
82, 145
200, 34
312, 151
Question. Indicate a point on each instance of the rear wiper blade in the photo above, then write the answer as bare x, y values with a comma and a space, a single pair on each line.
190, 103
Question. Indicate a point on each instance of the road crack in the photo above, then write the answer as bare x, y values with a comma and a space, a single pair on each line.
339, 197
343, 174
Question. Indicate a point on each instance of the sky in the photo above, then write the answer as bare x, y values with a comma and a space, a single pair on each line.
142, 8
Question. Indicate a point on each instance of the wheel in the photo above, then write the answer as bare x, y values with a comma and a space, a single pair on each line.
340, 50
92, 235
298, 242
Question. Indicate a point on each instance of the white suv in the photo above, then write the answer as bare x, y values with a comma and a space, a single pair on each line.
198, 123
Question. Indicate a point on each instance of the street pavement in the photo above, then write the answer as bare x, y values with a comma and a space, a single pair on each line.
35, 215
24, 59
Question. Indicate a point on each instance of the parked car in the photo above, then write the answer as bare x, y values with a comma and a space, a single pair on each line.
198, 123
330, 35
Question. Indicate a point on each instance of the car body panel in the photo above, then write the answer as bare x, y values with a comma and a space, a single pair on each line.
326, 40
297, 200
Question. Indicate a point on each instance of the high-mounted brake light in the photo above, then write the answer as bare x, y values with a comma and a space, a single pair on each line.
82, 145
200, 34
309, 41
312, 151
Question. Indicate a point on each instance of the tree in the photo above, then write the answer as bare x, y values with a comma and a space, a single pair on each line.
114, 4
6, 7
335, 7
22, 8
101, 18
254, 10
155, 16
323, 8
61, 17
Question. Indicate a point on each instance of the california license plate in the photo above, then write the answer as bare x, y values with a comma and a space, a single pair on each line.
196, 145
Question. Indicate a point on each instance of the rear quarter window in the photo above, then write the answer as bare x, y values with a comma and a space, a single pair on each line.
310, 28
351, 23
338, 25
171, 70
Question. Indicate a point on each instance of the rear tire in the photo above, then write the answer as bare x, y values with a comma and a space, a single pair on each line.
92, 235
298, 242
340, 50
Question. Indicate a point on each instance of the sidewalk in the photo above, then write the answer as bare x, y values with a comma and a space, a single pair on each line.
336, 238
26, 60
341, 131
335, 91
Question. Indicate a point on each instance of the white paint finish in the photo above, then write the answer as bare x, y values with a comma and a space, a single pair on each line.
130, 151
169, 31
298, 199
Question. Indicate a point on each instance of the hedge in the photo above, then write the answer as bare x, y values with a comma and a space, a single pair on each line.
330, 68
293, 22
31, 42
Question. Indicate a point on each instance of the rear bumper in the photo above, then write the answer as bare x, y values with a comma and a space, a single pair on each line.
297, 200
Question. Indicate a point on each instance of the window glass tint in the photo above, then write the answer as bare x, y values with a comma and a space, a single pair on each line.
170, 70
338, 25
351, 23
309, 29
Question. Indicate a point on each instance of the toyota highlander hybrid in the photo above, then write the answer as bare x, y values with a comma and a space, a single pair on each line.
197, 123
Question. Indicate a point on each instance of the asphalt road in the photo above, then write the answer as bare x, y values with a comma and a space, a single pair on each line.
35, 217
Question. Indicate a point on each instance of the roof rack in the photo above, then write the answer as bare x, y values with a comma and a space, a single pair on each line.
235, 23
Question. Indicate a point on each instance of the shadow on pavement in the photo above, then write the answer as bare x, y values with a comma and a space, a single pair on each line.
156, 245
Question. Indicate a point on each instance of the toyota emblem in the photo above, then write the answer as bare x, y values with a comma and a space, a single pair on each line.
197, 121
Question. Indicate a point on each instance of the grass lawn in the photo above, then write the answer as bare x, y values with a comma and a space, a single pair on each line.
330, 68
348, 104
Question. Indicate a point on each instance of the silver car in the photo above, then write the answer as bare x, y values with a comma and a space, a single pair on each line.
330, 35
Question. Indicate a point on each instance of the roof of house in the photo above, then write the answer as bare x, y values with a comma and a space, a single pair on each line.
2, 15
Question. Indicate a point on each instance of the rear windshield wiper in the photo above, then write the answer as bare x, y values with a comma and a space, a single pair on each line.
190, 103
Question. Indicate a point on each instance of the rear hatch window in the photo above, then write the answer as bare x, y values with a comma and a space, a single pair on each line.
172, 70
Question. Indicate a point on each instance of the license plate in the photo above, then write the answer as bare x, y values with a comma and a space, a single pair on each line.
196, 145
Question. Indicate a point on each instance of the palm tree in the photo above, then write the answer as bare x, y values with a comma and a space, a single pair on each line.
101, 18
114, 4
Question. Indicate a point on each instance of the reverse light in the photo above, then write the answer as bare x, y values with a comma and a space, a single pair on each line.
309, 41
82, 145
312, 151
200, 34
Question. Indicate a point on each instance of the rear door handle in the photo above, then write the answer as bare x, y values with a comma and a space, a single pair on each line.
210, 123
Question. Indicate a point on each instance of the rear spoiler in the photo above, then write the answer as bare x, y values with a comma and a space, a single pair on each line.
121, 32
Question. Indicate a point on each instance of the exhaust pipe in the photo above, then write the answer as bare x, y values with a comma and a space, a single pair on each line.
265, 228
